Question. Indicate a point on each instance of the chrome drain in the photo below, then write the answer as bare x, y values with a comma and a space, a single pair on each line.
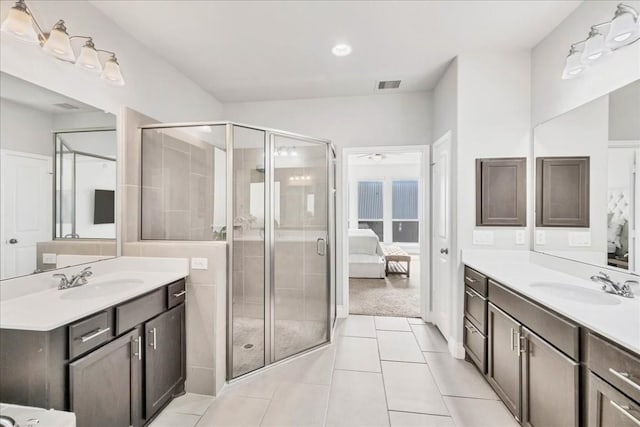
248, 346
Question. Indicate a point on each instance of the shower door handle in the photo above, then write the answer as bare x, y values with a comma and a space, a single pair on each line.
321, 246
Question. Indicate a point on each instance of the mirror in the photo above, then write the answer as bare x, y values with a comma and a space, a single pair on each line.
587, 184
58, 192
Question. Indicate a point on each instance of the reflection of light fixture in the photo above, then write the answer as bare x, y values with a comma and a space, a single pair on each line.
285, 151
300, 178
21, 24
205, 129
376, 157
341, 49
622, 30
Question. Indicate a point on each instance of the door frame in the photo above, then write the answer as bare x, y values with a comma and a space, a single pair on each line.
424, 219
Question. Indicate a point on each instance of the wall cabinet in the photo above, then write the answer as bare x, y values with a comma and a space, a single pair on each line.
501, 192
117, 367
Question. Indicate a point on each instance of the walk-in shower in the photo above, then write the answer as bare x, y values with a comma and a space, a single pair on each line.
275, 207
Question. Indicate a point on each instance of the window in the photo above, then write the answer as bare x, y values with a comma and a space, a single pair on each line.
370, 206
405, 226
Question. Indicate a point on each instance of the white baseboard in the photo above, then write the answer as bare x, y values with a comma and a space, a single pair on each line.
456, 349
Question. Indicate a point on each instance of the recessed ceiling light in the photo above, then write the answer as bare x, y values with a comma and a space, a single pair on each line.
341, 49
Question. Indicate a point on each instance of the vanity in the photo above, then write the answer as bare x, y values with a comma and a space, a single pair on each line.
112, 351
557, 350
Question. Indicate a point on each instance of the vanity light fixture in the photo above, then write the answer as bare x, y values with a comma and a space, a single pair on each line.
285, 151
603, 39
341, 49
21, 24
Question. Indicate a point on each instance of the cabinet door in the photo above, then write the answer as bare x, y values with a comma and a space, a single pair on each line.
550, 384
504, 359
501, 192
607, 407
164, 358
104, 384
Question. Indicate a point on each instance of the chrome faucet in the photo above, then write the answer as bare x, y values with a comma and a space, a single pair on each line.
76, 280
610, 286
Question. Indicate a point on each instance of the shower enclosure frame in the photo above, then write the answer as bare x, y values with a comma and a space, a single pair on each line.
269, 240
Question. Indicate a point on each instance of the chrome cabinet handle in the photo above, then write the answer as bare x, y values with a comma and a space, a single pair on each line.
521, 343
625, 411
471, 329
179, 294
139, 342
469, 279
92, 335
513, 344
470, 294
624, 376
153, 334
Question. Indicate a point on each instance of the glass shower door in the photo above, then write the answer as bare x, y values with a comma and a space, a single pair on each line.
300, 281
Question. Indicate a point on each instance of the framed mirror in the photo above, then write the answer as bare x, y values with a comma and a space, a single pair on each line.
58, 185
587, 186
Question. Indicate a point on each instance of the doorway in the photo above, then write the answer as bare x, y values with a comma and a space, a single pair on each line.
385, 213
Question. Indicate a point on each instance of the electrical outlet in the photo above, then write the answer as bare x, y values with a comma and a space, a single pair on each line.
520, 237
541, 237
49, 258
199, 264
482, 237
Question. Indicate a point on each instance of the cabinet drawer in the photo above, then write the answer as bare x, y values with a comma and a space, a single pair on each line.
616, 366
140, 309
475, 280
607, 407
475, 309
87, 334
176, 293
476, 345
561, 333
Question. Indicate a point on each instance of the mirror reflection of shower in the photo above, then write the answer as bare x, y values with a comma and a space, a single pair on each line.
85, 184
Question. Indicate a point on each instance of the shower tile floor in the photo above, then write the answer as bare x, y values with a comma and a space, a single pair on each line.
378, 372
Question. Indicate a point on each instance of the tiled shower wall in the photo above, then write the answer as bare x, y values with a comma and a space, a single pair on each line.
206, 289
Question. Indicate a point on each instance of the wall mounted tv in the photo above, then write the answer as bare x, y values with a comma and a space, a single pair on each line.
103, 207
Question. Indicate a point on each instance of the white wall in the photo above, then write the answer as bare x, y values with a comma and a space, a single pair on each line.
153, 86
624, 113
445, 104
551, 95
70, 121
93, 174
25, 129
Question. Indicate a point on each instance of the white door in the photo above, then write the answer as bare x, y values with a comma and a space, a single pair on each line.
25, 195
441, 235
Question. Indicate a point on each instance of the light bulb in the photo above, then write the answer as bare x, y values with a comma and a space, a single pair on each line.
341, 49
112, 73
573, 67
19, 24
88, 58
624, 28
58, 43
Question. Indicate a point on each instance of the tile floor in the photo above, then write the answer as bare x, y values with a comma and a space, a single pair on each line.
379, 372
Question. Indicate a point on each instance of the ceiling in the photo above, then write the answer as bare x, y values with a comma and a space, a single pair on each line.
39, 98
266, 50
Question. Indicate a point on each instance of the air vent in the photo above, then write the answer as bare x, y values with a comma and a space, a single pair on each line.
389, 84
66, 106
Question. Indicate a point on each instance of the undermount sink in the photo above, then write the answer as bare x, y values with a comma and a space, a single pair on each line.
99, 289
577, 293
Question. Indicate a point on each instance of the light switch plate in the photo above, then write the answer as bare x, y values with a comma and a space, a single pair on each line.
49, 258
199, 264
541, 237
520, 237
482, 237
579, 239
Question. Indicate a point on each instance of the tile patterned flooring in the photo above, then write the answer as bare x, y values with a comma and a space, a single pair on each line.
378, 372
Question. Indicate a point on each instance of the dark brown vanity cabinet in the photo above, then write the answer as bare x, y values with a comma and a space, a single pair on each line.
117, 367
105, 384
501, 192
607, 406
562, 192
164, 357
504, 362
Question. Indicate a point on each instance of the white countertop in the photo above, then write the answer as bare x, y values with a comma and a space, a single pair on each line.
619, 323
47, 308
45, 418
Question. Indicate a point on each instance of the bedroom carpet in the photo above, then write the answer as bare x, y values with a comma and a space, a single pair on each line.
396, 295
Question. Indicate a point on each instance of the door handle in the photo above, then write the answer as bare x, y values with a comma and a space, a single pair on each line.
153, 336
624, 376
626, 411
320, 246
93, 334
444, 251
13, 241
